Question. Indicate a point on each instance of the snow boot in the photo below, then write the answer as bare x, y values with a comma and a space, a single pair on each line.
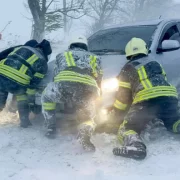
84, 136
25, 123
136, 151
51, 133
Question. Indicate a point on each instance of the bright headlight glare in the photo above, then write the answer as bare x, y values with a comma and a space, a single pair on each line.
110, 85
104, 111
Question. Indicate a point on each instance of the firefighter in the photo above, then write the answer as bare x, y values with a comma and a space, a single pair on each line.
77, 76
144, 94
20, 72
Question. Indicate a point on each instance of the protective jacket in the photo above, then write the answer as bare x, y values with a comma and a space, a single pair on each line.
78, 65
140, 80
20, 73
25, 65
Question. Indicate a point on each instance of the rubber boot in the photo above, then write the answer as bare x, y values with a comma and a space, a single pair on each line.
135, 151
23, 110
84, 135
51, 133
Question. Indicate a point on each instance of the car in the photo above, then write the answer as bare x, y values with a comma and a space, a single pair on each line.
163, 41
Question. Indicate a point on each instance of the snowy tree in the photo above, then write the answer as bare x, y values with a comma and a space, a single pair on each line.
50, 15
101, 13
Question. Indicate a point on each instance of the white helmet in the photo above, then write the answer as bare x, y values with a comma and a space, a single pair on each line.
79, 40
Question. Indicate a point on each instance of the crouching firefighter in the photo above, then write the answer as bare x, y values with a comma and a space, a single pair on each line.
20, 73
77, 76
144, 94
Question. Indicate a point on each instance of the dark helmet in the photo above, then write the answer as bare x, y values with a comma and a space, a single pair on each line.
31, 43
45, 46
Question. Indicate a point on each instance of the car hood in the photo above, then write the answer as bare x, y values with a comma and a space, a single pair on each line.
112, 65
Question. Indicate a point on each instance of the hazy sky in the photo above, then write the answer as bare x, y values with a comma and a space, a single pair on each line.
13, 10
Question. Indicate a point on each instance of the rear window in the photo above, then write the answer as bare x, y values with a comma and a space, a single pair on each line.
116, 39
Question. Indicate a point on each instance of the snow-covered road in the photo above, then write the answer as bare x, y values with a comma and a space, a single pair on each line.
26, 154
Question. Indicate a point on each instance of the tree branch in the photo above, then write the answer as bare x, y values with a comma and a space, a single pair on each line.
49, 4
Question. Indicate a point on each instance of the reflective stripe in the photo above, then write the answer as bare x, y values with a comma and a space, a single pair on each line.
39, 75
175, 127
130, 132
75, 79
163, 73
31, 91
21, 98
93, 63
121, 139
49, 106
2, 61
14, 74
155, 92
31, 61
125, 84
69, 59
120, 105
143, 78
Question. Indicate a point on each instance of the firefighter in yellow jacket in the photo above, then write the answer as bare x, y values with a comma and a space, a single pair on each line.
76, 81
21, 70
144, 94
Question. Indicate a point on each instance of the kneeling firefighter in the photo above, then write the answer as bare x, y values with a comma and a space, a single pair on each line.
77, 76
20, 72
144, 94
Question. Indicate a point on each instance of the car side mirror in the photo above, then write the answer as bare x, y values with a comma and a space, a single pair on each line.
169, 45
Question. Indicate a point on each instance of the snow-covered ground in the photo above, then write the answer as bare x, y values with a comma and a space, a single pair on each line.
26, 154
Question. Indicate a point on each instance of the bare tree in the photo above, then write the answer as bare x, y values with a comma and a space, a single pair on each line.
49, 19
39, 10
101, 12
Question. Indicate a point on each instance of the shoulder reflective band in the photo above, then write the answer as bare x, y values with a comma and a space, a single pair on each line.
143, 78
120, 105
21, 97
14, 74
93, 63
155, 92
176, 127
69, 59
31, 61
16, 49
39, 75
49, 106
164, 73
125, 84
31, 91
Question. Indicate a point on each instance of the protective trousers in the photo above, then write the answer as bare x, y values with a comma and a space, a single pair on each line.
6, 86
81, 96
164, 108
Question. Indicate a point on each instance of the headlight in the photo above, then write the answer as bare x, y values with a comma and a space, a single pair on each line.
110, 85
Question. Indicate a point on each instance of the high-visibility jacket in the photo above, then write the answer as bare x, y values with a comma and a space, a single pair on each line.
78, 66
25, 65
140, 80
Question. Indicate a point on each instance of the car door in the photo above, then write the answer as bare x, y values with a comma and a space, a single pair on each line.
170, 60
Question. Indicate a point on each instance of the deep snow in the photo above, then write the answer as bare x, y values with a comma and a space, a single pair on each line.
26, 154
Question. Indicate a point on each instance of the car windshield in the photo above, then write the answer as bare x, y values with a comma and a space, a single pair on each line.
115, 40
